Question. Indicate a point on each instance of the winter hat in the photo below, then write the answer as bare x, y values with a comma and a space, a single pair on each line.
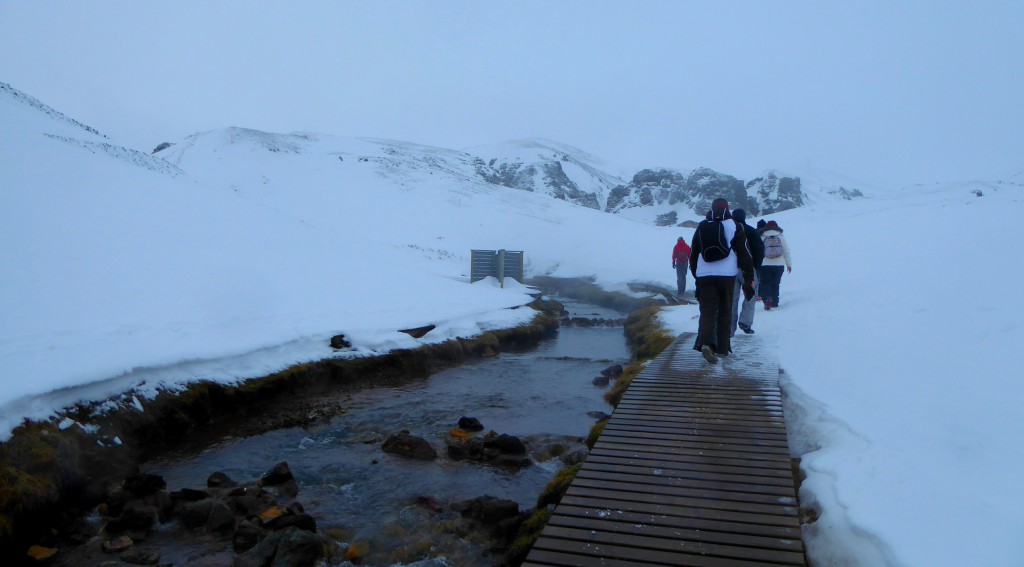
680, 238
739, 215
720, 209
761, 223
772, 224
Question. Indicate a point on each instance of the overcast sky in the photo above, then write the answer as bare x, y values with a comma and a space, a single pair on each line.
890, 92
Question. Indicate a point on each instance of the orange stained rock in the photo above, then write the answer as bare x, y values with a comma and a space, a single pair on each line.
357, 550
40, 553
270, 514
460, 433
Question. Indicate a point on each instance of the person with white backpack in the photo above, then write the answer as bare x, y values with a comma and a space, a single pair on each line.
776, 259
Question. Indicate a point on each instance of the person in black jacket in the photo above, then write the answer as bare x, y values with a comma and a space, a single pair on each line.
718, 252
743, 315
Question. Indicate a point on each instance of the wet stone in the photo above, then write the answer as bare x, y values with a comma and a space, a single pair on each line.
40, 553
137, 557
190, 495
405, 445
280, 474
220, 480
247, 535
117, 544
144, 484
506, 444
613, 371
470, 424
135, 516
301, 521
195, 514
221, 518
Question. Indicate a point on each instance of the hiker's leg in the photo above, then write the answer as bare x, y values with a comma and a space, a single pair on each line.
747, 313
725, 303
681, 277
707, 296
737, 293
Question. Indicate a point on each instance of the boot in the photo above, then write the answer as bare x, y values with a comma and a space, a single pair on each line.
709, 354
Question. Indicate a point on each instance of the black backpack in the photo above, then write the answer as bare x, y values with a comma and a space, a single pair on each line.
711, 235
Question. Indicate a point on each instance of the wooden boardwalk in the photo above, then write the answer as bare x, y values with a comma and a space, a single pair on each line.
693, 468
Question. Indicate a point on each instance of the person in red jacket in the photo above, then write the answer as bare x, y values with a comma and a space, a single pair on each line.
681, 263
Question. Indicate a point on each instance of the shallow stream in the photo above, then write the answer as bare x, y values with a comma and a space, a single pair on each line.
359, 494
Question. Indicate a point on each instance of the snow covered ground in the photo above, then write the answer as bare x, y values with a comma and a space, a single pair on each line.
897, 331
236, 253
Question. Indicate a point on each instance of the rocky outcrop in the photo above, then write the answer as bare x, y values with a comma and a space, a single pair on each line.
772, 194
693, 192
548, 177
492, 448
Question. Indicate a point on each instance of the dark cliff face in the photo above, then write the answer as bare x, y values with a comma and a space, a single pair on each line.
775, 193
526, 176
695, 191
665, 186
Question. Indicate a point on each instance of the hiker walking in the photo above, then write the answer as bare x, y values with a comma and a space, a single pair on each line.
718, 253
776, 258
681, 263
761, 223
743, 315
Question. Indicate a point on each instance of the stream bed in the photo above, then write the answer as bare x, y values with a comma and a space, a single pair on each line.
364, 497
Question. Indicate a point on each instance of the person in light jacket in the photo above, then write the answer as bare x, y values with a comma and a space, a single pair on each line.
776, 259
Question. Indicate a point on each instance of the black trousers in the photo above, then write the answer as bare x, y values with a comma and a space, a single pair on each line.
714, 294
770, 284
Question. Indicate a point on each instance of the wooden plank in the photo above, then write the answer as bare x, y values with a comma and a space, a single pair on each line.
774, 418
693, 461
670, 436
689, 516
787, 539
653, 426
722, 499
685, 448
675, 545
704, 392
709, 442
704, 489
738, 511
585, 553
624, 418
693, 394
740, 409
696, 476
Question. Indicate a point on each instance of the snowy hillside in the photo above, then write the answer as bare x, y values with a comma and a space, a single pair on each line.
133, 268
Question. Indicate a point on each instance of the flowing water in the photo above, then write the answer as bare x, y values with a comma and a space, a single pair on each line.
361, 494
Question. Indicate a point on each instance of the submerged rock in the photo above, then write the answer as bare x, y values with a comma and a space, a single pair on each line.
280, 474
405, 445
470, 424
220, 480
